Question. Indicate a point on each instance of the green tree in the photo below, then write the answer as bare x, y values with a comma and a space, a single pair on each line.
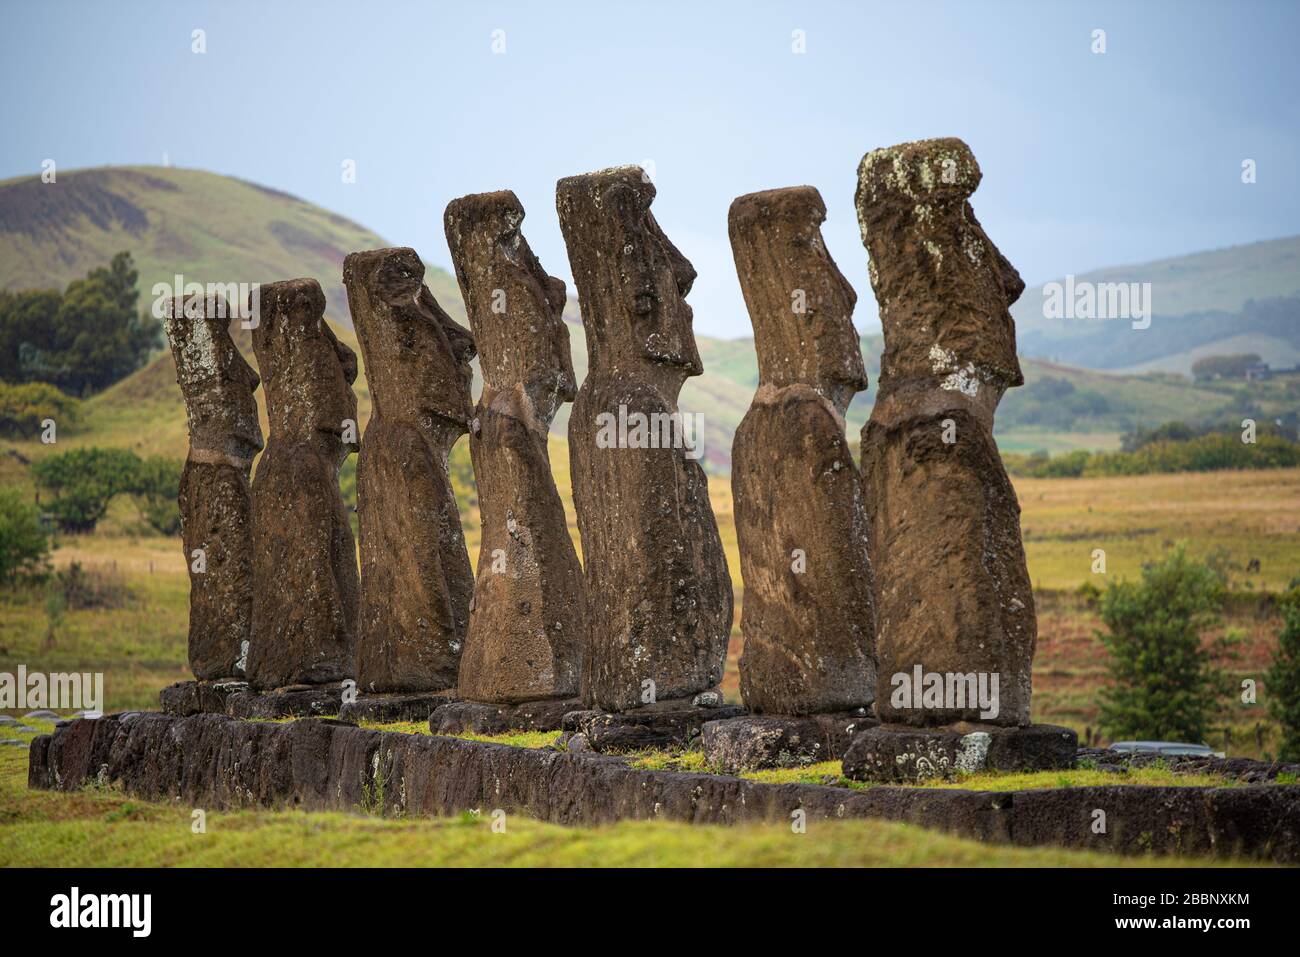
1164, 680
82, 340
83, 482
24, 544
156, 489
1282, 680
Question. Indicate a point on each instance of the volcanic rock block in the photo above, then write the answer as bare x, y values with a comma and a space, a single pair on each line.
658, 592
416, 583
529, 612
801, 523
913, 755
225, 435
479, 717
304, 557
951, 587
770, 741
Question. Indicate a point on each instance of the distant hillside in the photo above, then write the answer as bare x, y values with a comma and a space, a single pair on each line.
208, 228
213, 227
1234, 300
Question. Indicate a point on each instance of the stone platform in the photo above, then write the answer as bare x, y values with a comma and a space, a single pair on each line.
213, 761
237, 700
757, 741
907, 755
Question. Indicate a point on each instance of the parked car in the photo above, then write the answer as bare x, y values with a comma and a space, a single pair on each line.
1167, 748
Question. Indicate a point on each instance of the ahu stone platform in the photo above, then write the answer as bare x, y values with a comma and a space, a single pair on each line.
217, 762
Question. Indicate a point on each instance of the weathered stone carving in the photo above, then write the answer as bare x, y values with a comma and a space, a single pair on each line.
225, 435
416, 582
952, 590
657, 586
304, 558
801, 525
529, 613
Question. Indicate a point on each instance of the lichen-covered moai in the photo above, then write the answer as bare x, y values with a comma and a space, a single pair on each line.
526, 628
225, 435
416, 582
657, 585
955, 613
304, 557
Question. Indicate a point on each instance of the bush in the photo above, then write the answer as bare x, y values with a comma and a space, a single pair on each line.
24, 407
1165, 684
24, 543
1282, 681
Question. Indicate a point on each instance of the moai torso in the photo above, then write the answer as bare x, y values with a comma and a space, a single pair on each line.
304, 557
801, 525
416, 582
527, 625
225, 435
657, 586
952, 588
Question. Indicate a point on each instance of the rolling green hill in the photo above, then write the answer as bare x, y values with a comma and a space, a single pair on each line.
208, 228
214, 228
1236, 300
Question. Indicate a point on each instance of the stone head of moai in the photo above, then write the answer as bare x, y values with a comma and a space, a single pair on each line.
632, 281
417, 356
515, 308
216, 381
943, 287
800, 303
307, 373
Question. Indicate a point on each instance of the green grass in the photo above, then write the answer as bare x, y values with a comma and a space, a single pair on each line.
101, 827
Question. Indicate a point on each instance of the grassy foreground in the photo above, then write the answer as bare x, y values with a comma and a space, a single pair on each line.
101, 827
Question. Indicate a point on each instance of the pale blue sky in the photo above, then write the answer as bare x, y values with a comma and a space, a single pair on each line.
1089, 160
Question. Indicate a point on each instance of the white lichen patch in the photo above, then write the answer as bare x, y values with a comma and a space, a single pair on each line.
972, 755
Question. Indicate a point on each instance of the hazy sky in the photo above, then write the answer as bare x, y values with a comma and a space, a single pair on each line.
1089, 159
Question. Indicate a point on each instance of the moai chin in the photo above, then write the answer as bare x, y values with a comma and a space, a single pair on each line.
416, 582
225, 435
952, 590
526, 627
657, 586
304, 557
801, 524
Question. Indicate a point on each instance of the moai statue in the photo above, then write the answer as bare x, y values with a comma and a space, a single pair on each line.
801, 525
225, 435
526, 628
657, 586
416, 582
955, 614
304, 557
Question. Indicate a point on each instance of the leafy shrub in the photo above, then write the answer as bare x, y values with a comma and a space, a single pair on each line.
1164, 680
24, 407
1282, 681
24, 543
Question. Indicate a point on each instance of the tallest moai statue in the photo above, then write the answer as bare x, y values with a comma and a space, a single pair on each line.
953, 591
657, 585
955, 614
